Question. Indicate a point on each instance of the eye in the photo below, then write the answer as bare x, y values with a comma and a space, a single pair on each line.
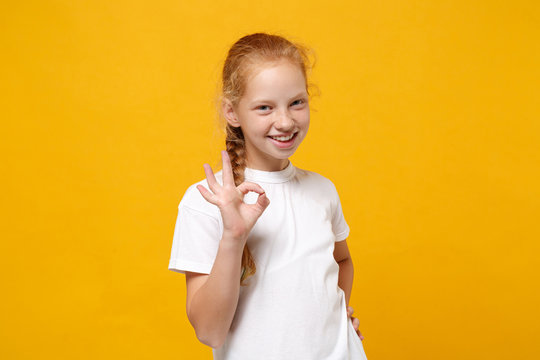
297, 102
263, 107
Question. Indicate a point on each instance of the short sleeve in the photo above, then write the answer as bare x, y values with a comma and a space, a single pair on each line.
339, 225
195, 241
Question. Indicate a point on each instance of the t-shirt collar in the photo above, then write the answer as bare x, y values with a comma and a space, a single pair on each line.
275, 177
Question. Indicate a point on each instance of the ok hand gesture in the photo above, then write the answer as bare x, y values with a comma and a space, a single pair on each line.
238, 217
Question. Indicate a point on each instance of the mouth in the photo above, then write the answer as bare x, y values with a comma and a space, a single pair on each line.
283, 138
283, 141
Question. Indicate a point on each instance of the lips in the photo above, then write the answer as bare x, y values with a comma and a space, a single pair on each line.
283, 141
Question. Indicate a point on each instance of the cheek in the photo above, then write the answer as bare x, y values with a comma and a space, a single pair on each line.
255, 131
305, 119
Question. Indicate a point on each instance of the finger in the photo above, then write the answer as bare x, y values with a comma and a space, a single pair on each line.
263, 201
210, 178
356, 323
207, 195
247, 186
228, 178
350, 311
360, 335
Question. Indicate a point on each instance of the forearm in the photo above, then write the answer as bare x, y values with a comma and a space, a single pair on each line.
345, 279
213, 306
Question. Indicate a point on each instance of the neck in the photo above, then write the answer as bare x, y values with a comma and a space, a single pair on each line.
277, 165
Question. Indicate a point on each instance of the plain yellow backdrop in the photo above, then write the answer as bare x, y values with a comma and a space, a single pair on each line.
427, 122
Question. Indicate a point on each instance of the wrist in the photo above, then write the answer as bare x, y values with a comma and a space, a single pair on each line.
232, 242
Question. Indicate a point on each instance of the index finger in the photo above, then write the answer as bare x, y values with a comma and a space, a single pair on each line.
228, 178
210, 178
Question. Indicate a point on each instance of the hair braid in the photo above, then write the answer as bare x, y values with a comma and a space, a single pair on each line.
235, 144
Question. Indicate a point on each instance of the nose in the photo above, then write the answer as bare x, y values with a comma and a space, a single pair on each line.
284, 121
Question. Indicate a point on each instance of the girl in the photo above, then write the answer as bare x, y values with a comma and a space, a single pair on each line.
263, 243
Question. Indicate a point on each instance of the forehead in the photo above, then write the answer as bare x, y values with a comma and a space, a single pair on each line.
274, 78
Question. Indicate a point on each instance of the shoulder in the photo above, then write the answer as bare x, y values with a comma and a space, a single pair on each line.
316, 186
193, 199
311, 178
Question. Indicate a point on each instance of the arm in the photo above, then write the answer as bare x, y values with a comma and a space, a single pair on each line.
211, 299
345, 277
346, 269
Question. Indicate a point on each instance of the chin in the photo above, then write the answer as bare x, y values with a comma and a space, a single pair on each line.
285, 155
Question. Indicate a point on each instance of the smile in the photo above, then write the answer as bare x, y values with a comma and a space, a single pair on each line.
284, 142
283, 138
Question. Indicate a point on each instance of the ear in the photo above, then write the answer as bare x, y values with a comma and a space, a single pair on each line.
229, 113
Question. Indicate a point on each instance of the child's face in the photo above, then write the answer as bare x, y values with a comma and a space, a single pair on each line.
273, 114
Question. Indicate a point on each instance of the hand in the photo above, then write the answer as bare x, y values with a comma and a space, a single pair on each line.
238, 217
355, 322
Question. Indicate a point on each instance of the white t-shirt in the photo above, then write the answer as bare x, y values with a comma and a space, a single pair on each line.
292, 308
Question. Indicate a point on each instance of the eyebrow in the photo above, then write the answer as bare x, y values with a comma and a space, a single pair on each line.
262, 100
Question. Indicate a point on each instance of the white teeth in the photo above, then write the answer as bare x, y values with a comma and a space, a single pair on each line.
282, 138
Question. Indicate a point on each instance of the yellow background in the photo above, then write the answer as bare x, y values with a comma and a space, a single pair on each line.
428, 124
